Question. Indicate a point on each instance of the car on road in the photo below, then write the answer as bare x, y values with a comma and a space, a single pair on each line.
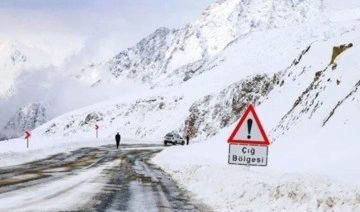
173, 138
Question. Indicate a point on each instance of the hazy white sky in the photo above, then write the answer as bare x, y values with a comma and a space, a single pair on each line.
94, 29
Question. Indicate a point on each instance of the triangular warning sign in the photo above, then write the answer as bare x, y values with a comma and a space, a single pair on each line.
249, 129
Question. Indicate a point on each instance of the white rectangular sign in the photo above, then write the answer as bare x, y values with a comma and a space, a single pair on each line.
251, 155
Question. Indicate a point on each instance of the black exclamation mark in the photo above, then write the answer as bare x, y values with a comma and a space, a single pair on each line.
249, 124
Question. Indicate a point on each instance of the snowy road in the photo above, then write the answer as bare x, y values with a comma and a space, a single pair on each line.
93, 179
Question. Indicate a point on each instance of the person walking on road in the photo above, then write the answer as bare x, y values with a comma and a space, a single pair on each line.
117, 139
187, 139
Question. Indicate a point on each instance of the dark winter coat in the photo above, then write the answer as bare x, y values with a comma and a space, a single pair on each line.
117, 138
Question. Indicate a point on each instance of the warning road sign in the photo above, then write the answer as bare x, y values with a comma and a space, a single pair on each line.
249, 130
27, 134
248, 155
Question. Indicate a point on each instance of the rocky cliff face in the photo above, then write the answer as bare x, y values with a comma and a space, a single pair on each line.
214, 112
324, 91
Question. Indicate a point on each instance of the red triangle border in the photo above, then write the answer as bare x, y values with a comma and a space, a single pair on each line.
249, 109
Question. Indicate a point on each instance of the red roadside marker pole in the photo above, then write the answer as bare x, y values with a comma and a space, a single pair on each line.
27, 136
96, 128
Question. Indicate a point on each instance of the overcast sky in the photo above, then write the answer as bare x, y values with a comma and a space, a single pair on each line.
96, 29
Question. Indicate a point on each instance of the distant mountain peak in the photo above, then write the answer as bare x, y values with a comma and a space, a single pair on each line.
27, 117
170, 57
17, 57
12, 61
9, 52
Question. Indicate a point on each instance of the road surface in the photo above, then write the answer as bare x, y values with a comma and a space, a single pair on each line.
93, 179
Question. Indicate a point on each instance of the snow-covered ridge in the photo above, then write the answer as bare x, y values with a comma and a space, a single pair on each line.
203, 116
224, 21
11, 63
169, 57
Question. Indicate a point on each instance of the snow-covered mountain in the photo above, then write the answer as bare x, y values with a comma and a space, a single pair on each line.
312, 118
203, 112
27, 117
226, 44
17, 59
12, 61
170, 57
23, 80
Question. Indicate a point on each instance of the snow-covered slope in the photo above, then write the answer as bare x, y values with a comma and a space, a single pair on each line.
169, 57
210, 101
311, 117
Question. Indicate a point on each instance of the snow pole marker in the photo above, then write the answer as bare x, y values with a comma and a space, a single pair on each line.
27, 136
96, 128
